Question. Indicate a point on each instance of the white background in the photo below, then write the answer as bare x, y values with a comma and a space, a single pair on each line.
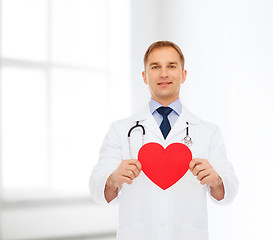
228, 51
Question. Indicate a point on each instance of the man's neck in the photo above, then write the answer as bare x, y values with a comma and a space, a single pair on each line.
165, 102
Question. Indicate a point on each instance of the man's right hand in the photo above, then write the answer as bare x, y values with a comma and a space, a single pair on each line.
127, 171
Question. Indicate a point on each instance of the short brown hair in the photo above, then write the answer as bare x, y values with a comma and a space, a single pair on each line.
160, 44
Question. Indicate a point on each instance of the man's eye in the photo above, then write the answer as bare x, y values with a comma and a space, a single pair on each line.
172, 66
155, 67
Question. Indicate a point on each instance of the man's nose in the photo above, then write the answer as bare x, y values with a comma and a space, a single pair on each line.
164, 73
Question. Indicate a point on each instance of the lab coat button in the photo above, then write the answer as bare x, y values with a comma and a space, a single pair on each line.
162, 225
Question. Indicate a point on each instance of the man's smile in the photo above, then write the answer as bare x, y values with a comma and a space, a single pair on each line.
164, 83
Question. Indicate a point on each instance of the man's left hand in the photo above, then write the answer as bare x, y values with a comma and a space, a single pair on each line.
207, 175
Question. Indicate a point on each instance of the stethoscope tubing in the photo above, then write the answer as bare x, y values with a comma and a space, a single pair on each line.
186, 140
137, 125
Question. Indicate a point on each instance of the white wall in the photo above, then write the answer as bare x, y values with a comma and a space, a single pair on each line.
228, 51
252, 117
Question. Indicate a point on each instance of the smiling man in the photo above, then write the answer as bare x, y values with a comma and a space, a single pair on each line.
147, 211
164, 73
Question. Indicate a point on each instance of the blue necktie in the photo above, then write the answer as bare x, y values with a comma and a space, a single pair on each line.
165, 125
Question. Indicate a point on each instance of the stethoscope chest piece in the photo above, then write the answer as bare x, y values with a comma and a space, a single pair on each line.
187, 141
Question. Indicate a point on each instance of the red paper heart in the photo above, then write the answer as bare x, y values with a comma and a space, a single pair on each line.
164, 167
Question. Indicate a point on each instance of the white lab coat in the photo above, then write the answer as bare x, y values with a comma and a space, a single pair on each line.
146, 212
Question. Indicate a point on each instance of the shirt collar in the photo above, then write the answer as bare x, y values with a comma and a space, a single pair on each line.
176, 106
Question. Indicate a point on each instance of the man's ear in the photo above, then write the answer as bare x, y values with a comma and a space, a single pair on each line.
144, 77
184, 76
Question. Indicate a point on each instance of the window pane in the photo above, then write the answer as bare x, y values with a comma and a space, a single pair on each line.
79, 32
78, 121
24, 29
24, 128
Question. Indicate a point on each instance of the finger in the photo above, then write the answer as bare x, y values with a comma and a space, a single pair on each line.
134, 169
136, 163
126, 180
206, 180
139, 166
122, 179
194, 162
213, 179
198, 168
202, 174
131, 167
125, 163
200, 164
128, 173
132, 162
210, 180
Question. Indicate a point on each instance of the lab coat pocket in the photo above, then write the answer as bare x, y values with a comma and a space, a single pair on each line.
190, 232
132, 232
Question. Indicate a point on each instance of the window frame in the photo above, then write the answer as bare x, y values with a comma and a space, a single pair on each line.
46, 67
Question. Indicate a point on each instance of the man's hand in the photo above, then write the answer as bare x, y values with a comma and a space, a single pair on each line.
207, 175
127, 171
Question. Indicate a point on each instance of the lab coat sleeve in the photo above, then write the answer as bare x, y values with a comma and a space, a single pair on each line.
109, 159
218, 160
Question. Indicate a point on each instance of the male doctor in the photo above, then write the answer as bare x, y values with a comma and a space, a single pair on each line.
146, 211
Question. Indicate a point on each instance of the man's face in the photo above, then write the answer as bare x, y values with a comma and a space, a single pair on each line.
164, 75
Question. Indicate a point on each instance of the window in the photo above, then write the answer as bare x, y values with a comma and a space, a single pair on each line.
64, 66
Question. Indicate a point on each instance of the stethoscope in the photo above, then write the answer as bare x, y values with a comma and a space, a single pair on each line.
186, 140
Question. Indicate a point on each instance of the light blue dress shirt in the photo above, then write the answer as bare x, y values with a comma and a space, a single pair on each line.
174, 114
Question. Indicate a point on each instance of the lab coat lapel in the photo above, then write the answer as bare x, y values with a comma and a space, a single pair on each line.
149, 121
180, 123
178, 127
